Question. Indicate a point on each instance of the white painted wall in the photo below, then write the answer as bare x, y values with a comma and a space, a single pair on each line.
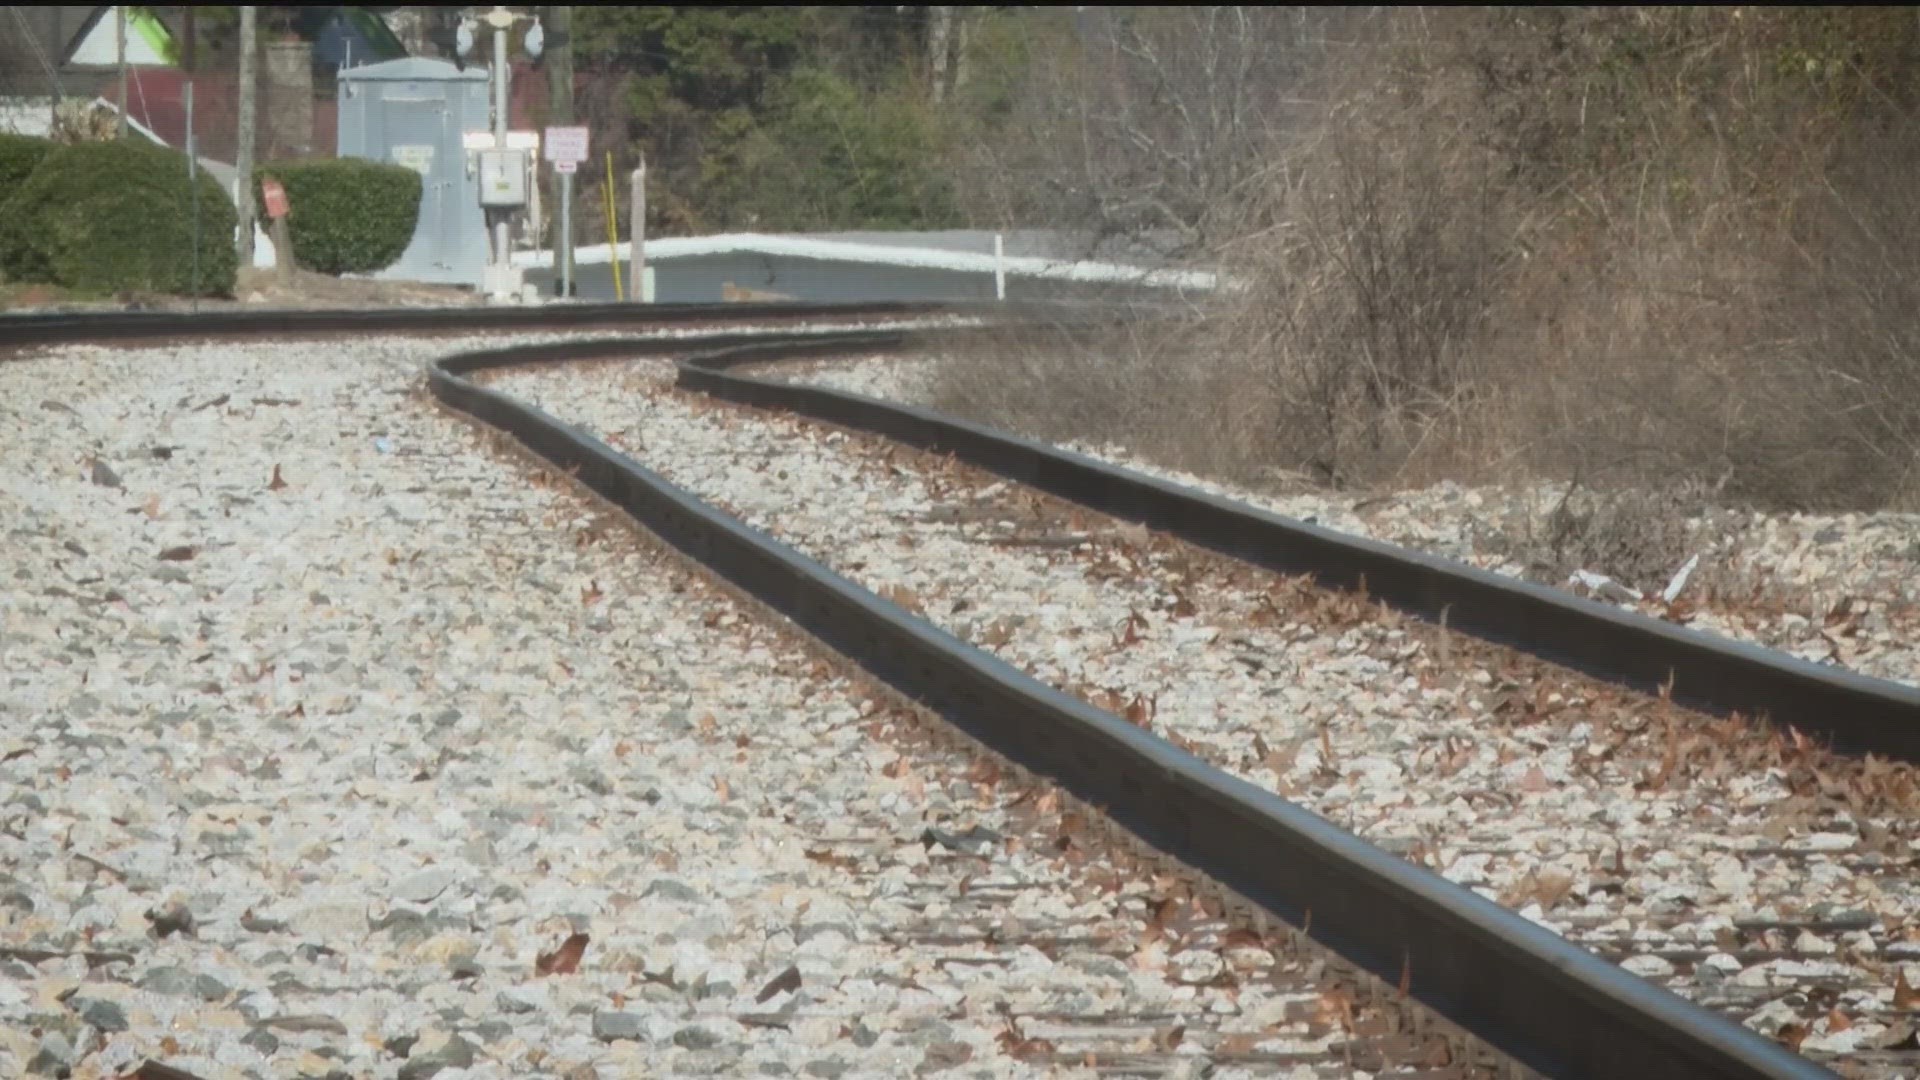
102, 44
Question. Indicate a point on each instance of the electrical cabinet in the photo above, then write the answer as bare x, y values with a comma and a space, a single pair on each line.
414, 112
503, 178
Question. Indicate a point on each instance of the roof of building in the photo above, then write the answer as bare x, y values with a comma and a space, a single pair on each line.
34, 39
912, 250
150, 40
412, 69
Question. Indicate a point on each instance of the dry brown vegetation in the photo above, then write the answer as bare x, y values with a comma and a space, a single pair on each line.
1656, 248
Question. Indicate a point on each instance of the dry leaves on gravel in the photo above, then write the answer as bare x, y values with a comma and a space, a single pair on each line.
564, 960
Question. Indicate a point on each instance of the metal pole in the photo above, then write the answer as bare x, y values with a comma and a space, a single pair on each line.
559, 23
566, 232
121, 9
613, 229
502, 258
637, 232
193, 195
243, 155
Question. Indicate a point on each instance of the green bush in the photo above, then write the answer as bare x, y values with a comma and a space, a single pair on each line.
103, 217
19, 156
347, 216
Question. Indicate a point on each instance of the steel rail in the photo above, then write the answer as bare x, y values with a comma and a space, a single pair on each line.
1521, 988
1546, 1002
1851, 711
60, 328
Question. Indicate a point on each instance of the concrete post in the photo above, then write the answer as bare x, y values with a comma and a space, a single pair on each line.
637, 231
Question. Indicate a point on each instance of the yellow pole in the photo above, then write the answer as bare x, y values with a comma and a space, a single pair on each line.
613, 231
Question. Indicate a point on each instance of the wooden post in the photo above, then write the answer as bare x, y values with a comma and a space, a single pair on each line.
536, 218
282, 250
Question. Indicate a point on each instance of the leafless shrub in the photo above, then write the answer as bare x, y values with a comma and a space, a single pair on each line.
1645, 247
1637, 536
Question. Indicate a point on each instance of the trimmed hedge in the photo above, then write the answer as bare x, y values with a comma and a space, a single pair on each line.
19, 156
116, 216
346, 215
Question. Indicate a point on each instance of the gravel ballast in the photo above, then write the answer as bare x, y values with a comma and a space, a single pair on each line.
1833, 588
337, 744
1750, 872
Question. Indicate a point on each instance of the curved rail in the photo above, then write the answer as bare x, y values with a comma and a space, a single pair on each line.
1854, 712
1550, 1004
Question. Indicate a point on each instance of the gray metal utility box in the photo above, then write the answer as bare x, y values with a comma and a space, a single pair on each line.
413, 112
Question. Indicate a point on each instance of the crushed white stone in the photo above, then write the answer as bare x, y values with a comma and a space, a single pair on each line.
1839, 589
1631, 828
300, 780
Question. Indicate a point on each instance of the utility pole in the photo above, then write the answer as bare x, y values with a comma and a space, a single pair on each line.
501, 22
559, 21
243, 163
120, 40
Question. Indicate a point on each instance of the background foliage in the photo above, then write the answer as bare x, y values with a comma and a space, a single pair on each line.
348, 216
104, 217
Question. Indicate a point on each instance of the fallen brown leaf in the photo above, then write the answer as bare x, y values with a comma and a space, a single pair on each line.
833, 859
785, 982
1239, 1043
153, 1070
565, 960
1904, 995
181, 553
1335, 1006
1021, 1048
903, 597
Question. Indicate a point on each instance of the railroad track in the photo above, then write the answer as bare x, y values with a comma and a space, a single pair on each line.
1550, 1004
1649, 842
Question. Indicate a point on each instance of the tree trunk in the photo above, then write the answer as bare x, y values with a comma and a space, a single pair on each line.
960, 28
939, 34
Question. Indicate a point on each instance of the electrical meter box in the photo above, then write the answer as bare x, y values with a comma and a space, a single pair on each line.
503, 178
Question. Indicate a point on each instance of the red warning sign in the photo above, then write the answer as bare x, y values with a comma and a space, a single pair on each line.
275, 197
